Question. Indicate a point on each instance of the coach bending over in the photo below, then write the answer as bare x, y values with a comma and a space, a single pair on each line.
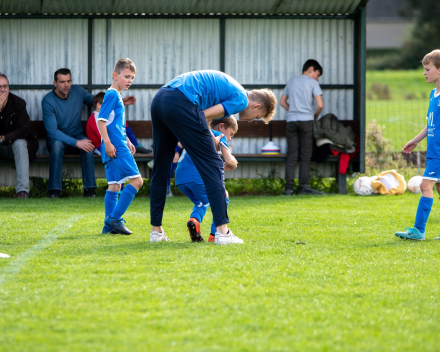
181, 111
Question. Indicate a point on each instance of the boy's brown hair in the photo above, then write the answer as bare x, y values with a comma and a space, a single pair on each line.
123, 64
230, 122
267, 100
98, 98
433, 57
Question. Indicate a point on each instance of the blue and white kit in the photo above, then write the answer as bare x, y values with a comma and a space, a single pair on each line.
432, 171
190, 183
123, 166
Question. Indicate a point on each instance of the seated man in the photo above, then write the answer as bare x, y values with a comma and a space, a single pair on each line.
17, 142
62, 110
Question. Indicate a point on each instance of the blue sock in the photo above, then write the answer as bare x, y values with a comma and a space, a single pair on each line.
124, 201
198, 212
110, 201
423, 210
213, 227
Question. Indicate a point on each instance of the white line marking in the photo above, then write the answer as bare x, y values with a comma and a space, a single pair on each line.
15, 265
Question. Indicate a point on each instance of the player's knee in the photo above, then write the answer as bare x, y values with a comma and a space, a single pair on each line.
426, 186
137, 182
114, 187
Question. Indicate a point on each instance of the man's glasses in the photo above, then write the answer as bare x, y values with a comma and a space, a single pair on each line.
4, 87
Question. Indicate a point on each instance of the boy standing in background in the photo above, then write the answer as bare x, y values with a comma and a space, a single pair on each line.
297, 99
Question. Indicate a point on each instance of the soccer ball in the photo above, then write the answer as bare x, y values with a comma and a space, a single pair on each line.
362, 186
414, 184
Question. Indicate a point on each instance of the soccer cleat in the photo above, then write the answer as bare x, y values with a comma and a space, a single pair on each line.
117, 225
211, 238
158, 237
437, 238
194, 230
229, 238
107, 229
411, 233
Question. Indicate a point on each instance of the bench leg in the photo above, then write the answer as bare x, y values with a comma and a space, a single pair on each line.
341, 180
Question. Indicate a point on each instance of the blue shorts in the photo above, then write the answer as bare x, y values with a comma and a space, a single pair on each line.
119, 170
432, 171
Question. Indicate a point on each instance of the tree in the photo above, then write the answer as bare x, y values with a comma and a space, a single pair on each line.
424, 37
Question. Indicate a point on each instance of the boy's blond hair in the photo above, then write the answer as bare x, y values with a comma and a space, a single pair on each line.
267, 100
123, 64
230, 122
433, 57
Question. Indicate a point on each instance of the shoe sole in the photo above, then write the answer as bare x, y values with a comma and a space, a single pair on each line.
195, 237
152, 240
411, 239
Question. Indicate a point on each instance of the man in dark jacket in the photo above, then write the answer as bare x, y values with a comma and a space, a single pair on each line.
17, 142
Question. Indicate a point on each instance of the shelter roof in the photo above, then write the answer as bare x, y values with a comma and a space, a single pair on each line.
180, 7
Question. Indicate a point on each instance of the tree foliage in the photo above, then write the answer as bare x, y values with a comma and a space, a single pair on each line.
424, 37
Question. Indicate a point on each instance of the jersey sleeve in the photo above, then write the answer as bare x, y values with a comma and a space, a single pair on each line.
224, 142
286, 91
236, 102
316, 89
108, 105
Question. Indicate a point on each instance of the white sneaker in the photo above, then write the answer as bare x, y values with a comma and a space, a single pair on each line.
158, 236
229, 238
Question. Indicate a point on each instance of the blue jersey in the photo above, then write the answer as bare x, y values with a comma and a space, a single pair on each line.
186, 171
433, 118
112, 112
208, 88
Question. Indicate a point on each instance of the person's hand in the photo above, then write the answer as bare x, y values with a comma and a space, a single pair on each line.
85, 144
130, 100
110, 150
229, 166
3, 98
217, 141
409, 147
131, 147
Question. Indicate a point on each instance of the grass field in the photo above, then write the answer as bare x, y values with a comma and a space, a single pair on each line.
315, 274
403, 113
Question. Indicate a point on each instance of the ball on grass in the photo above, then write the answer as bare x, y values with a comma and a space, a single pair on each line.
414, 184
362, 186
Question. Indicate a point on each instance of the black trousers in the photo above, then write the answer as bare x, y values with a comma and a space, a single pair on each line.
299, 136
175, 118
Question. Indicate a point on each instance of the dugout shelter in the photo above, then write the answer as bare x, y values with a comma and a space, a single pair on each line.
259, 43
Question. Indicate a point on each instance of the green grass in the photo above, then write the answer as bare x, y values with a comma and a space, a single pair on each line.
315, 274
404, 114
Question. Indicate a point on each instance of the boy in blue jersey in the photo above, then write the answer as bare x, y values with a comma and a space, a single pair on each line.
431, 65
181, 111
117, 150
190, 183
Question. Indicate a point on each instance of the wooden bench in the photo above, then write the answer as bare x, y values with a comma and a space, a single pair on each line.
143, 129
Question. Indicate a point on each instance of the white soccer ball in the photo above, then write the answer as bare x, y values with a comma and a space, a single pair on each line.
414, 184
362, 186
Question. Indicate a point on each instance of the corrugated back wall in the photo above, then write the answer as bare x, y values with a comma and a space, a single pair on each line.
257, 51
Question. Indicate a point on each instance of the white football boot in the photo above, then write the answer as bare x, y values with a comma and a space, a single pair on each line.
229, 238
158, 236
